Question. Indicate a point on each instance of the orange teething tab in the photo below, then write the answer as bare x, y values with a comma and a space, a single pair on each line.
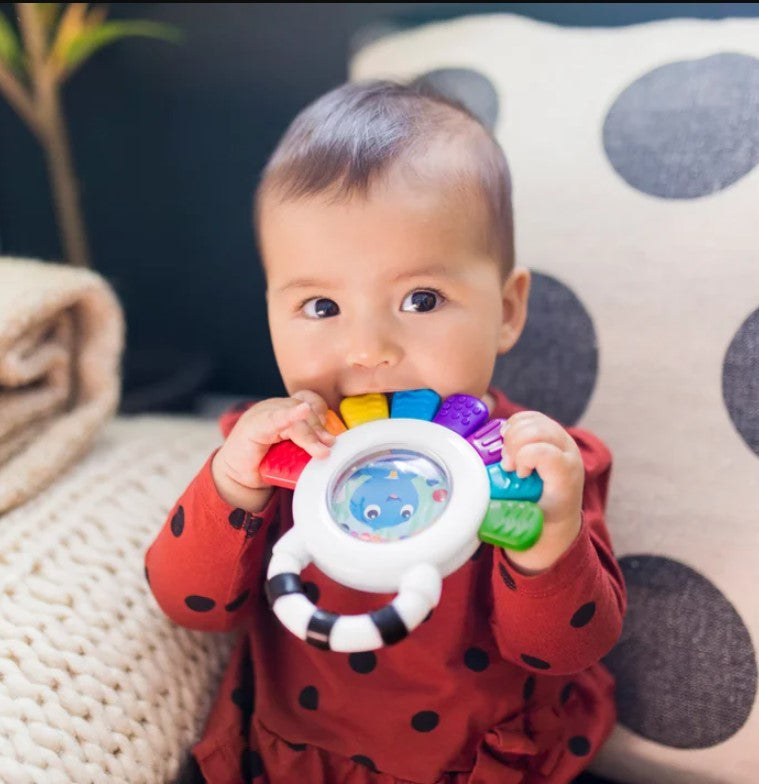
333, 424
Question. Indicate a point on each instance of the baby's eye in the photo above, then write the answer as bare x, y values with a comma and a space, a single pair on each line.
422, 301
320, 307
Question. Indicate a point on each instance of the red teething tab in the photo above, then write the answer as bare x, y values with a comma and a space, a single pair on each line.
283, 464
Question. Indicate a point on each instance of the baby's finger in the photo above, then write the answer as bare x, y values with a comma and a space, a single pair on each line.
267, 428
525, 432
318, 418
548, 460
304, 435
317, 402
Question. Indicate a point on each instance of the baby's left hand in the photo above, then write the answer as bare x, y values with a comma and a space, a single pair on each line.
533, 441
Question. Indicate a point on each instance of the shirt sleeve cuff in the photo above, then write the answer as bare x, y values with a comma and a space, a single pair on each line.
565, 571
215, 506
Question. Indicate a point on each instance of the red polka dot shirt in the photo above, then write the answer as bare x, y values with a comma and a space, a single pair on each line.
502, 683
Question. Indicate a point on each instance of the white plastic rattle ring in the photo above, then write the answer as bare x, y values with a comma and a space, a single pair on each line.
397, 506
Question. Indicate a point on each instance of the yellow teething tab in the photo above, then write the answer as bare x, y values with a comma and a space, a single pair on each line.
364, 408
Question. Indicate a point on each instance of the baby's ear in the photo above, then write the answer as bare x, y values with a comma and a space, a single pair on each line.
514, 296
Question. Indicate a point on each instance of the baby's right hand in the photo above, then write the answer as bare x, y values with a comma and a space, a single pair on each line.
299, 418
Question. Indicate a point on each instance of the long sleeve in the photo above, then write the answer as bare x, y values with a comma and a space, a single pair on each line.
567, 618
204, 567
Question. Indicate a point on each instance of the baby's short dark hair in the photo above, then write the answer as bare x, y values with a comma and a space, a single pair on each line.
345, 140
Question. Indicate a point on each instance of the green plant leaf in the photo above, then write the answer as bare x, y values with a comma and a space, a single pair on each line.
90, 41
10, 49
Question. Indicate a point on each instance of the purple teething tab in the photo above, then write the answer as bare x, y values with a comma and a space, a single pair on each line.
488, 441
462, 413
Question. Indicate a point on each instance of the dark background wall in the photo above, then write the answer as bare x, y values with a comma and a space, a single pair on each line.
169, 140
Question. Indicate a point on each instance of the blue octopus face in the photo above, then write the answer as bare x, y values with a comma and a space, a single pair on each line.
386, 498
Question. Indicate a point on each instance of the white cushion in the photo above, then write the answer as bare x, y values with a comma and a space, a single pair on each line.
634, 157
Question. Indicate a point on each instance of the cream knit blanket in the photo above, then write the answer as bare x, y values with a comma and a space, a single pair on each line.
97, 685
61, 336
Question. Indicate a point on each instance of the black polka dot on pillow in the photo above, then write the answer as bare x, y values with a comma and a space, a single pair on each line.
554, 364
688, 128
740, 381
685, 665
470, 88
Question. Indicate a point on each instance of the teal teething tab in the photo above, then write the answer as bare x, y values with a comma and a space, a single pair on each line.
506, 485
415, 404
515, 525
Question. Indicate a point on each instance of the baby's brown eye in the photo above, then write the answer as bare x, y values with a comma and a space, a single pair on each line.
421, 301
320, 307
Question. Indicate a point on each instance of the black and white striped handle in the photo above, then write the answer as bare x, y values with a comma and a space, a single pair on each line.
418, 593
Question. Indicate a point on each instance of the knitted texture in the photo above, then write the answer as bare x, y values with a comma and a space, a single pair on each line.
96, 684
61, 336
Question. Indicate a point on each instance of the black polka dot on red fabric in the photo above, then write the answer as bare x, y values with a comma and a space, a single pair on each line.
235, 604
177, 521
296, 746
579, 745
427, 617
367, 762
566, 691
477, 553
534, 661
476, 659
425, 721
147, 576
251, 765
240, 519
529, 688
309, 698
508, 580
237, 518
200, 603
363, 662
243, 698
312, 591
583, 615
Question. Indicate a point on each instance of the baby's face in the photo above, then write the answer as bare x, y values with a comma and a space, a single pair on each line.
392, 291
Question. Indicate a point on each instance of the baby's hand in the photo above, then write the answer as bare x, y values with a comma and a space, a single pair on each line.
533, 441
299, 418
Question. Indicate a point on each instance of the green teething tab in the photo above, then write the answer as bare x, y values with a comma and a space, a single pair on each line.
515, 525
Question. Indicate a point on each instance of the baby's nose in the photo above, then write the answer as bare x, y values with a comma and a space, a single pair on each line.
372, 347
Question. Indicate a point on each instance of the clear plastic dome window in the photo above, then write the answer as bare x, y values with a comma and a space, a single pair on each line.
388, 495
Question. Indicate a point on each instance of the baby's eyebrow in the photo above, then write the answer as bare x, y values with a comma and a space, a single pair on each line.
420, 272
428, 270
305, 283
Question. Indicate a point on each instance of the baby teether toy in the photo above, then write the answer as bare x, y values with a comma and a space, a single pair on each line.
410, 488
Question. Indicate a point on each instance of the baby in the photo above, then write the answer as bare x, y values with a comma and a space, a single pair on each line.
385, 227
